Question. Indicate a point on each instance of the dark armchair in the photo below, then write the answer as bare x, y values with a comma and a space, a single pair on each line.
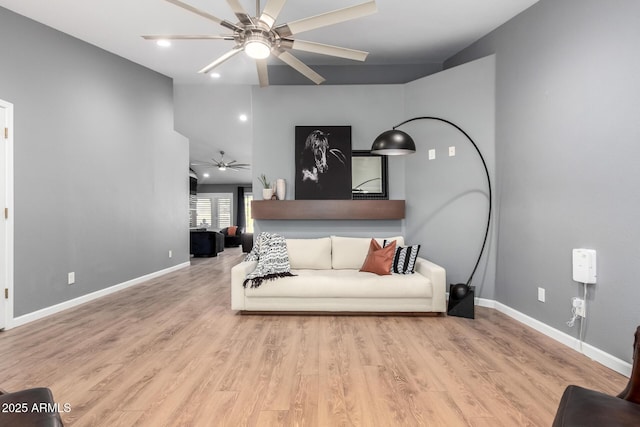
583, 407
232, 236
31, 407
206, 243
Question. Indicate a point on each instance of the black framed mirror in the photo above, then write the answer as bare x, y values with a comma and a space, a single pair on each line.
369, 180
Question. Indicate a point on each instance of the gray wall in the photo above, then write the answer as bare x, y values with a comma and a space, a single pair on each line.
447, 198
278, 109
101, 179
354, 74
567, 132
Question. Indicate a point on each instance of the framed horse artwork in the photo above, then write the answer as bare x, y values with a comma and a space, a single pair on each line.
323, 162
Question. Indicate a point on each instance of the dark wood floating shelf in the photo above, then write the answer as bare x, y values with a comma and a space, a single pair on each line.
327, 209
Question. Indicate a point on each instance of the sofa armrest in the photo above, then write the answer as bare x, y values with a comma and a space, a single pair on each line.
238, 274
438, 278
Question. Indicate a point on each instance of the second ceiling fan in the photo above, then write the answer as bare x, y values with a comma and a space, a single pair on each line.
222, 165
259, 38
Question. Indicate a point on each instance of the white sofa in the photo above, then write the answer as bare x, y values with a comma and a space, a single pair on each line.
328, 279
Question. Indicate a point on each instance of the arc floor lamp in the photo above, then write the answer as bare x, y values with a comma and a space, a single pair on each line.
397, 142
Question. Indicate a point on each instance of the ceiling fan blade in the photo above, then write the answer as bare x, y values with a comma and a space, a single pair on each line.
239, 11
187, 37
271, 11
263, 73
300, 67
204, 14
235, 164
326, 19
222, 59
325, 49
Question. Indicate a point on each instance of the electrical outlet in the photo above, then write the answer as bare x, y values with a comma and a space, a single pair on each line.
579, 306
541, 295
432, 154
71, 278
452, 151
170, 254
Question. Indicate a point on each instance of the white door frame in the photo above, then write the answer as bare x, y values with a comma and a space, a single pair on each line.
6, 264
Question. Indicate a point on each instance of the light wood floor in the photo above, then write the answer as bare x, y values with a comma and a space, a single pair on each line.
170, 352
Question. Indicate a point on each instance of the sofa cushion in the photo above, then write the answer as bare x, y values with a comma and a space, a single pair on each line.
344, 284
379, 260
312, 254
350, 252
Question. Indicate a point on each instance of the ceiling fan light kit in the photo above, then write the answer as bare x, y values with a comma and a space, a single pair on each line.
257, 46
258, 37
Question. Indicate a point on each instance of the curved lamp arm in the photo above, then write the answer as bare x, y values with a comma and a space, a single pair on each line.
395, 141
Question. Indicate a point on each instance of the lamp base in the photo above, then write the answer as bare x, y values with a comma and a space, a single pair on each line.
461, 304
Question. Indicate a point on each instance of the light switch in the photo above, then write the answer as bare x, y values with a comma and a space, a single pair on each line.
432, 154
452, 151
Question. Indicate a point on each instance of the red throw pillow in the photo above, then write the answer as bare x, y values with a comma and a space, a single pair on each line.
231, 231
379, 259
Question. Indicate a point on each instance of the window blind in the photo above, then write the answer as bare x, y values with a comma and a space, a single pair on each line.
203, 211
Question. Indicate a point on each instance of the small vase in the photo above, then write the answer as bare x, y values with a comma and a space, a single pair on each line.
281, 189
267, 193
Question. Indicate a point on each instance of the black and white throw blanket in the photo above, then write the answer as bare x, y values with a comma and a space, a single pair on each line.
270, 250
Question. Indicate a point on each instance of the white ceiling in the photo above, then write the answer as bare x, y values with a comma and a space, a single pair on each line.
405, 32
402, 32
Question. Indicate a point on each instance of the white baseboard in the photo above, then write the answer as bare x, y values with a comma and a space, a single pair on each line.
36, 315
588, 350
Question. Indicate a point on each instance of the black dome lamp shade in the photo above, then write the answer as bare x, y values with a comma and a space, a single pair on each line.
397, 142
392, 143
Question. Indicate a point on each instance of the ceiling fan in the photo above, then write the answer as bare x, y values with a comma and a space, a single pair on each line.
222, 165
258, 38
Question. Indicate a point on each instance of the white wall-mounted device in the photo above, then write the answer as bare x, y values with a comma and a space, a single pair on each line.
584, 265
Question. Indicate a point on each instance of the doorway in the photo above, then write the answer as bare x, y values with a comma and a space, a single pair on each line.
6, 213
217, 209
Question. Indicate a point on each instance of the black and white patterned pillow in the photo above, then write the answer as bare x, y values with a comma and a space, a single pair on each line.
404, 260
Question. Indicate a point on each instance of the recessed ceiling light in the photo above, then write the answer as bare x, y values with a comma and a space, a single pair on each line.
163, 43
206, 175
243, 117
215, 75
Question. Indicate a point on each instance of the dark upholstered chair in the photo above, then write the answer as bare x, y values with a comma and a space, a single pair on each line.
206, 243
34, 407
232, 241
583, 407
